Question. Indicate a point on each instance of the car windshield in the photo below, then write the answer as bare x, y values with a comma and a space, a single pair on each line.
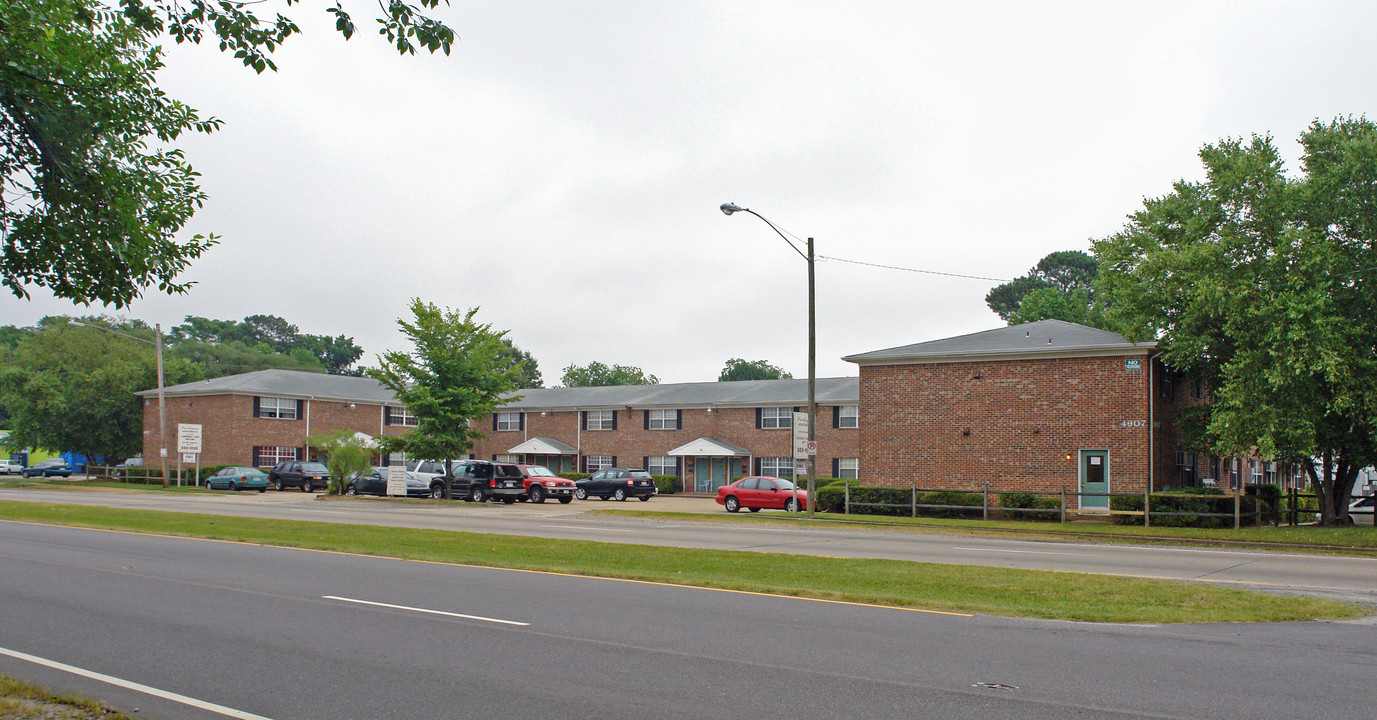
540, 471
313, 467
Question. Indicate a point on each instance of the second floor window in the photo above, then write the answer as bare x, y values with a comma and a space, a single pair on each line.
600, 420
279, 408
662, 419
400, 416
776, 417
848, 416
508, 421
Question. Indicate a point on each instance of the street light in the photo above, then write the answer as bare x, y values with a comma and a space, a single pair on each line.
162, 402
728, 209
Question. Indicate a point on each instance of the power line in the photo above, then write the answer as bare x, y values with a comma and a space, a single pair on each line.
914, 270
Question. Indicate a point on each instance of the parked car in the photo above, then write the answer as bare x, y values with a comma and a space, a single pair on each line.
619, 483
541, 483
1359, 511
374, 482
761, 491
49, 468
299, 474
480, 480
10, 467
238, 478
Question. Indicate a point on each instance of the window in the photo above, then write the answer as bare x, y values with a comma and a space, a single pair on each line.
401, 416
279, 408
848, 416
594, 463
1186, 461
848, 468
663, 466
600, 420
776, 417
662, 419
777, 466
1259, 467
508, 421
506, 458
267, 456
1270, 474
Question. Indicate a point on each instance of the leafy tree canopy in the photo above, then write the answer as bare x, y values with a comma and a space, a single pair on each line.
70, 388
457, 372
527, 368
93, 195
738, 369
1063, 272
596, 374
346, 455
1264, 286
226, 347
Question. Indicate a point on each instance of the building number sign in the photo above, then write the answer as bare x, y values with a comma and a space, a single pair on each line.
1133, 423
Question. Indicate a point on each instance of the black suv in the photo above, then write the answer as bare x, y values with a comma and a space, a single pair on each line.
299, 474
619, 483
480, 480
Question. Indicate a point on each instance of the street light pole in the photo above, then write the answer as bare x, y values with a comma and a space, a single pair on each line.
162, 400
728, 209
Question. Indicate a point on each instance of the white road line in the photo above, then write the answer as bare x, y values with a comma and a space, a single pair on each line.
1022, 552
585, 527
129, 685
424, 610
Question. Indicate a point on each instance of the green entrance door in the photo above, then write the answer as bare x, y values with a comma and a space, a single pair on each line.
701, 482
719, 472
1094, 479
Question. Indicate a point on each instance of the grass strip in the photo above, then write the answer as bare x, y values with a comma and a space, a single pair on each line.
928, 586
22, 701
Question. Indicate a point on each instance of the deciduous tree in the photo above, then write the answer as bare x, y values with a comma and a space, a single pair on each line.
346, 455
596, 374
738, 369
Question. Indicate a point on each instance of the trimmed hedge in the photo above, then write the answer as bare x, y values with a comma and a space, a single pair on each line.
1196, 502
668, 484
1049, 507
898, 502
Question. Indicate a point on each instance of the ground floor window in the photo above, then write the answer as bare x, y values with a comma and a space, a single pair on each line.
1186, 462
594, 463
663, 466
507, 458
266, 456
847, 468
777, 466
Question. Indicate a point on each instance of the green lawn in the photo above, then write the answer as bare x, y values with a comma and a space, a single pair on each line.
918, 586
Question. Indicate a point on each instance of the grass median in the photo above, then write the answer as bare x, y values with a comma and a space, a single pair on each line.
925, 586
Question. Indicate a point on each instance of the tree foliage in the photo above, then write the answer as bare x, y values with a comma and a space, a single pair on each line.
1062, 286
596, 374
346, 455
70, 388
1264, 286
226, 347
528, 370
456, 373
738, 369
93, 195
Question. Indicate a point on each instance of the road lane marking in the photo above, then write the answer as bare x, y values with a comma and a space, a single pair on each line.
1024, 552
586, 527
130, 685
426, 610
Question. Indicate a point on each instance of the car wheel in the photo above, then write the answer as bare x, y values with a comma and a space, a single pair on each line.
437, 491
509, 500
479, 495
731, 503
537, 494
234, 486
644, 498
755, 509
790, 505
278, 484
620, 494
351, 490
581, 493
306, 485
261, 489
565, 499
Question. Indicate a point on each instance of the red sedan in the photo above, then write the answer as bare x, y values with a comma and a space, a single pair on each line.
760, 491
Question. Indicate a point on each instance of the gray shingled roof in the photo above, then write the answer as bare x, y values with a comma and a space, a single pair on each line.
286, 383
1044, 338
298, 384
745, 393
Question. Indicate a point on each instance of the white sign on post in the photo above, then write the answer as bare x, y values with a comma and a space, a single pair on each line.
396, 480
800, 435
189, 438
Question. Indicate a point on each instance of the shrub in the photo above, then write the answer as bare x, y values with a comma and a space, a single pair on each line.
831, 499
1194, 504
879, 500
668, 484
1051, 506
975, 501
575, 476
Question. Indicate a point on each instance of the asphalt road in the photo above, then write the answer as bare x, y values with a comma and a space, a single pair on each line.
283, 633
1353, 579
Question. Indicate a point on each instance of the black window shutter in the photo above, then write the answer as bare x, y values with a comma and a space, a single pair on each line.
614, 457
583, 418
645, 462
614, 422
583, 463
757, 420
521, 421
257, 453
298, 453
679, 467
387, 415
256, 411
646, 414
678, 419
836, 416
757, 467
494, 421
836, 467
300, 409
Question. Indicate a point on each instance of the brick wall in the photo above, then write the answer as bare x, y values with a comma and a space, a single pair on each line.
1016, 424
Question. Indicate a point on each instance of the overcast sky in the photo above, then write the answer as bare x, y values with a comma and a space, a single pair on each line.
563, 167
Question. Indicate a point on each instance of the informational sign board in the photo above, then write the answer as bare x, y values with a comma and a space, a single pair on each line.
189, 458
1133, 364
800, 435
396, 480
188, 438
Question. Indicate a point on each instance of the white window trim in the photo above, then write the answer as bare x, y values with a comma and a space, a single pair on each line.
603, 461
854, 468
782, 467
782, 416
508, 421
605, 418
667, 466
854, 416
404, 418
668, 419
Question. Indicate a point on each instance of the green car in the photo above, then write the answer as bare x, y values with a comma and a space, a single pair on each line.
238, 478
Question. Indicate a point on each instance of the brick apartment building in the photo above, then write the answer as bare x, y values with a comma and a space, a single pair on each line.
1044, 406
